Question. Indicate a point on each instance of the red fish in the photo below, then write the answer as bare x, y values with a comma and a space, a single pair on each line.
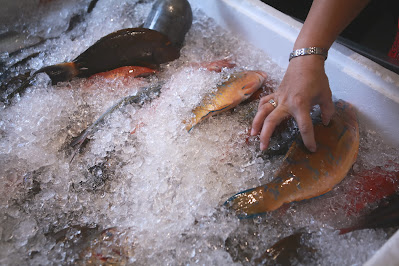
371, 186
384, 216
125, 72
113, 246
215, 66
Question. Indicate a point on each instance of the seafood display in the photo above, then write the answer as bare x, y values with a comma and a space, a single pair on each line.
236, 89
145, 191
151, 49
304, 175
124, 72
172, 18
384, 216
110, 247
288, 250
144, 95
371, 186
157, 42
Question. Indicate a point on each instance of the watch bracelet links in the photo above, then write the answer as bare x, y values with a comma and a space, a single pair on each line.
309, 51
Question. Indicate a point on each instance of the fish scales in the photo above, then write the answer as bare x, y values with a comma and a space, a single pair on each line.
304, 175
239, 87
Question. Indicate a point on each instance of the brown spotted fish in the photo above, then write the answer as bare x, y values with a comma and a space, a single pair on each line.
236, 89
304, 175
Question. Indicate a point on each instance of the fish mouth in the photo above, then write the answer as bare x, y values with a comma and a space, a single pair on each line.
262, 73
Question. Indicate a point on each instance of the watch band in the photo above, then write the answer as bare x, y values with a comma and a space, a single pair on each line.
309, 51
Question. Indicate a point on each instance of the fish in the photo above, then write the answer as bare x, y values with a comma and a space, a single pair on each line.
288, 249
13, 41
126, 47
145, 94
172, 18
123, 73
215, 66
371, 186
158, 41
384, 216
239, 87
113, 246
302, 174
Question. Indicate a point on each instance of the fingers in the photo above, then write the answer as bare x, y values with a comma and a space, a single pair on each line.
305, 126
327, 111
264, 109
272, 120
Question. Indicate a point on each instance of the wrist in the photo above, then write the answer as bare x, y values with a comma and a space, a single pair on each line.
309, 51
311, 62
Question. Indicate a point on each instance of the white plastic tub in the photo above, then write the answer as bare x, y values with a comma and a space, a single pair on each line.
132, 202
373, 89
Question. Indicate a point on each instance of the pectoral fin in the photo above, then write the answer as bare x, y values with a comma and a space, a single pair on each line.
202, 113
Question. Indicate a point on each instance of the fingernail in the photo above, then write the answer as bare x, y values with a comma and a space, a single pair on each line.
312, 148
253, 132
326, 122
262, 147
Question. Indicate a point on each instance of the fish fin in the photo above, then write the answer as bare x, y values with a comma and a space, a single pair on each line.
207, 115
78, 142
60, 72
215, 111
20, 89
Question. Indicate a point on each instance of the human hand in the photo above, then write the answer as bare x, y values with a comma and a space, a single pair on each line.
304, 85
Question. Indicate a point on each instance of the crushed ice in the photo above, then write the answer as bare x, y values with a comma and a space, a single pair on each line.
140, 171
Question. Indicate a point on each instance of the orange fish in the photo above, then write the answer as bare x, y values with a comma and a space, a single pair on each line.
304, 175
237, 88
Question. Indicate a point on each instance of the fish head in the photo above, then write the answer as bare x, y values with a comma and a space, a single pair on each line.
252, 81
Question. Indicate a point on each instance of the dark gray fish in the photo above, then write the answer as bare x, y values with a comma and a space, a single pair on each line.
12, 41
158, 42
143, 96
287, 250
384, 216
172, 18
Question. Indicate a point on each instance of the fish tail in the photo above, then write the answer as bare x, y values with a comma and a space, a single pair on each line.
60, 72
19, 90
251, 203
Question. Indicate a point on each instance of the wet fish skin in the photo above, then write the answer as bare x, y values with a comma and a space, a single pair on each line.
236, 89
304, 175
288, 249
384, 216
126, 47
143, 95
172, 18
113, 246
125, 72
12, 41
371, 186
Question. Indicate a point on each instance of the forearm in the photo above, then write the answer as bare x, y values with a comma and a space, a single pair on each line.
326, 20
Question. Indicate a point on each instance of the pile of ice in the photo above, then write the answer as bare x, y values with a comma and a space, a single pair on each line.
141, 172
